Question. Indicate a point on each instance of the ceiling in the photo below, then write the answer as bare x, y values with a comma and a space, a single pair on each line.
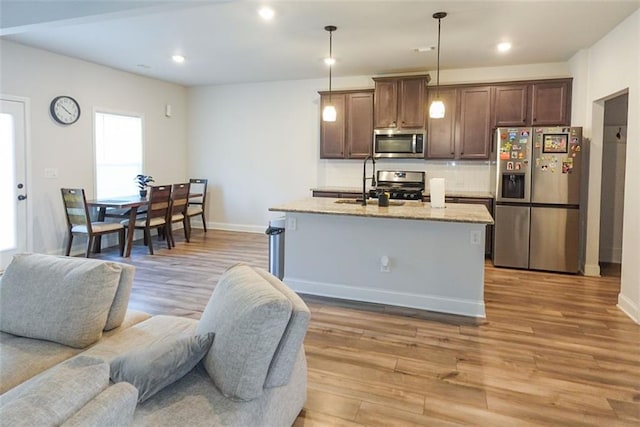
225, 41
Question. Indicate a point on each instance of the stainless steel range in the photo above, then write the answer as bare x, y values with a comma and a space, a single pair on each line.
404, 185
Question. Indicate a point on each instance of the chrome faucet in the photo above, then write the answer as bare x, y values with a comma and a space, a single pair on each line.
365, 196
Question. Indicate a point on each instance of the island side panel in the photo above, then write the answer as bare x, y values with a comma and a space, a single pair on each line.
434, 265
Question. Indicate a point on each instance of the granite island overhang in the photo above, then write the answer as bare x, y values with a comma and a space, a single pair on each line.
410, 255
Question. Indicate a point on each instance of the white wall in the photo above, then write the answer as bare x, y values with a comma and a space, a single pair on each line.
40, 76
259, 144
608, 68
612, 194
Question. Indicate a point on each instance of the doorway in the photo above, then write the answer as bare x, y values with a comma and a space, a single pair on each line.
13, 185
614, 153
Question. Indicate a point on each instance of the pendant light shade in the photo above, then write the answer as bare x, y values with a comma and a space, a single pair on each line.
437, 108
329, 113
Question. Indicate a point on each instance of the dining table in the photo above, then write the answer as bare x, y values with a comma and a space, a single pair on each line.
132, 205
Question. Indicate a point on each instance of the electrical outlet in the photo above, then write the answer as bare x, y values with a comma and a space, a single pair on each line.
385, 266
50, 173
475, 237
292, 224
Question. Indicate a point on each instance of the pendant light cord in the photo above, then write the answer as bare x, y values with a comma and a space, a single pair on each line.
438, 64
331, 58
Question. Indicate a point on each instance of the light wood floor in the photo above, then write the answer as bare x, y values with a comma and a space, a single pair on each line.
553, 350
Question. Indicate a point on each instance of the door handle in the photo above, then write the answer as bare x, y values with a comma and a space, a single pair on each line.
22, 197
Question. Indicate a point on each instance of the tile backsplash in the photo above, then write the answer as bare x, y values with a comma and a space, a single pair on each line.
458, 175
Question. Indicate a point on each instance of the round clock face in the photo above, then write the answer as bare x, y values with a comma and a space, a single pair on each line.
65, 110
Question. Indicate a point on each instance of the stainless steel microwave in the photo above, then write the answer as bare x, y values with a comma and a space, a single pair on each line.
398, 143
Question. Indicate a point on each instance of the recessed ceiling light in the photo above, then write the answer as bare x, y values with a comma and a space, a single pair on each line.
178, 58
504, 47
266, 13
329, 61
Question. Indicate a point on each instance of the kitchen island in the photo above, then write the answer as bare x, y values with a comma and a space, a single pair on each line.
407, 254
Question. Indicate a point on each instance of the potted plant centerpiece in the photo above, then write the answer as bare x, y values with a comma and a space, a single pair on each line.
143, 182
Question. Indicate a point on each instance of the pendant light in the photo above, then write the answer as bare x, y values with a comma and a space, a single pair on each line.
436, 109
329, 112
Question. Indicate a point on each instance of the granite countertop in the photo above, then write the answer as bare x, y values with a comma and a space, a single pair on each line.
448, 193
452, 212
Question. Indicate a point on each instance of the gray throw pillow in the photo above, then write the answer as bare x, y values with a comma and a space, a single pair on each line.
152, 368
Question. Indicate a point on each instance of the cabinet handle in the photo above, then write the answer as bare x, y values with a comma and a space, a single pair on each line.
535, 120
524, 120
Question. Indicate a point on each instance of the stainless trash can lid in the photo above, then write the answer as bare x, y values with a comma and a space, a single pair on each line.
276, 226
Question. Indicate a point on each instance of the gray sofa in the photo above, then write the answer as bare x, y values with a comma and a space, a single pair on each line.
241, 364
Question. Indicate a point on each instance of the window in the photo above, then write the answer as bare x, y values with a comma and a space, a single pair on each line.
118, 142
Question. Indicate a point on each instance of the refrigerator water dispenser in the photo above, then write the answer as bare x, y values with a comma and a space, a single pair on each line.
513, 185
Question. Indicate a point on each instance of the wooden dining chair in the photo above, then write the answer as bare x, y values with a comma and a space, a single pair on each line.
178, 211
79, 221
198, 204
157, 214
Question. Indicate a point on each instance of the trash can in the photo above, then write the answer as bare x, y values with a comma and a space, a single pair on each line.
276, 247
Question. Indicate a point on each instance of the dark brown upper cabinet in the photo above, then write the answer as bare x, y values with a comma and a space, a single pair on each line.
511, 105
465, 130
551, 103
400, 102
441, 143
535, 103
351, 135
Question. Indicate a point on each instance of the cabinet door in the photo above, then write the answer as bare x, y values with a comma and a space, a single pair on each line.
474, 125
510, 105
440, 132
550, 103
332, 134
386, 104
411, 100
359, 125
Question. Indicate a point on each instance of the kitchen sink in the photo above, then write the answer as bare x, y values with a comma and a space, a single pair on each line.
369, 202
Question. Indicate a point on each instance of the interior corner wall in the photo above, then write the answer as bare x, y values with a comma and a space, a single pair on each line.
610, 67
40, 76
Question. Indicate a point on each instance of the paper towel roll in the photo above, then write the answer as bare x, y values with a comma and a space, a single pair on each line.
436, 192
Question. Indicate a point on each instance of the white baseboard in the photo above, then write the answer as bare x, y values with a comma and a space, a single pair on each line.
423, 302
629, 308
236, 227
592, 270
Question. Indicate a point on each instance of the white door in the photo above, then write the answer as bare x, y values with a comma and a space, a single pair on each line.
13, 186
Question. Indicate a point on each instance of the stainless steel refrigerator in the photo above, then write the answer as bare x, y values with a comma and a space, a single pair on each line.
537, 215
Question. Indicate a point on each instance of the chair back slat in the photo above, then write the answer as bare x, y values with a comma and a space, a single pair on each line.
159, 202
75, 205
179, 198
198, 185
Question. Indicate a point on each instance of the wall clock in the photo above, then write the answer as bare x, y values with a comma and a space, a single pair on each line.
65, 110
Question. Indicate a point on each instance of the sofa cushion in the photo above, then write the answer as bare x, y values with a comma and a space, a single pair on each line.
61, 299
152, 368
113, 407
22, 358
56, 394
291, 342
248, 316
121, 300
